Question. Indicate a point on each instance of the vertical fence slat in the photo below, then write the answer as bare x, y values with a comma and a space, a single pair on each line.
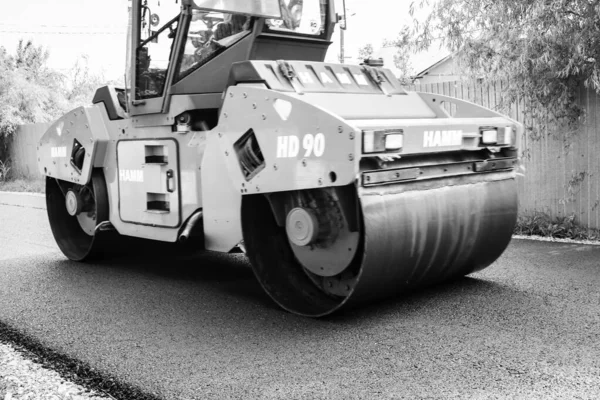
584, 203
595, 160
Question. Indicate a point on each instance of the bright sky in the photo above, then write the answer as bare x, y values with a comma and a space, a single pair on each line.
372, 21
97, 28
69, 28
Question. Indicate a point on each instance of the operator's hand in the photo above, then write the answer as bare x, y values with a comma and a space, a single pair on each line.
236, 24
223, 30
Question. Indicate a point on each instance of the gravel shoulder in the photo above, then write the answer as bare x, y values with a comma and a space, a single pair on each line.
30, 369
21, 378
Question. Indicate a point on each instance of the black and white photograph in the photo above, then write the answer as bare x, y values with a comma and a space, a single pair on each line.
299, 199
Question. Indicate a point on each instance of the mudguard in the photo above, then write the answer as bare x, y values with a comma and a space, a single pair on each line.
299, 146
74, 145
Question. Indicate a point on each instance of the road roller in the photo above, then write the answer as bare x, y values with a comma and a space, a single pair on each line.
232, 132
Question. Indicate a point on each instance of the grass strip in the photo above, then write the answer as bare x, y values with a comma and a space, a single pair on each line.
23, 186
542, 224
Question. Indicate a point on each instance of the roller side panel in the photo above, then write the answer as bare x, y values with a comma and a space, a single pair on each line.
186, 180
105, 157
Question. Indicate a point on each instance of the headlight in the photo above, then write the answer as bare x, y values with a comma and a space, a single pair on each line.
489, 136
508, 136
504, 136
383, 141
394, 141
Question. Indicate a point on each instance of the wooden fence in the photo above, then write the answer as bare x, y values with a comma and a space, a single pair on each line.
23, 151
561, 177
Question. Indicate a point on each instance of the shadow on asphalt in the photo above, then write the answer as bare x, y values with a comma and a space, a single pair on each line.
207, 271
232, 274
172, 261
421, 300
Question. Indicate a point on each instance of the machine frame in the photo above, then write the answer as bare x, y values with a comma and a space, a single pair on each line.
342, 186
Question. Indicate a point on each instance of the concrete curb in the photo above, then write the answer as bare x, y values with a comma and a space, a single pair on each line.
556, 240
22, 199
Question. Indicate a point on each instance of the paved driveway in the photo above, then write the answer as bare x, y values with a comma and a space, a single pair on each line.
200, 328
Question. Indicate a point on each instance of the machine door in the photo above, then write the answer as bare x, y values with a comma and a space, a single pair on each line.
155, 30
149, 190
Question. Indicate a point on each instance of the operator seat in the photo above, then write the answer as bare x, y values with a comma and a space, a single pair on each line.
114, 101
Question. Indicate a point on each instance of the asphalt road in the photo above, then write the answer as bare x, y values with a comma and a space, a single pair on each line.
197, 328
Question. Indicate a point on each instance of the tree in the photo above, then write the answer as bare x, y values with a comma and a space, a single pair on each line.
403, 45
81, 83
31, 59
365, 51
31, 92
543, 50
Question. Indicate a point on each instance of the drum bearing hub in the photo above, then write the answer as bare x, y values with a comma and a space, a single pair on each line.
319, 235
73, 203
302, 226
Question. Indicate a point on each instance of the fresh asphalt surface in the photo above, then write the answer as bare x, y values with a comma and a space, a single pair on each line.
195, 328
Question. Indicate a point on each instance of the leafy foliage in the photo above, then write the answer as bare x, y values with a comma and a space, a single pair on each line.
545, 50
31, 92
23, 185
80, 84
4, 170
403, 45
365, 51
541, 224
